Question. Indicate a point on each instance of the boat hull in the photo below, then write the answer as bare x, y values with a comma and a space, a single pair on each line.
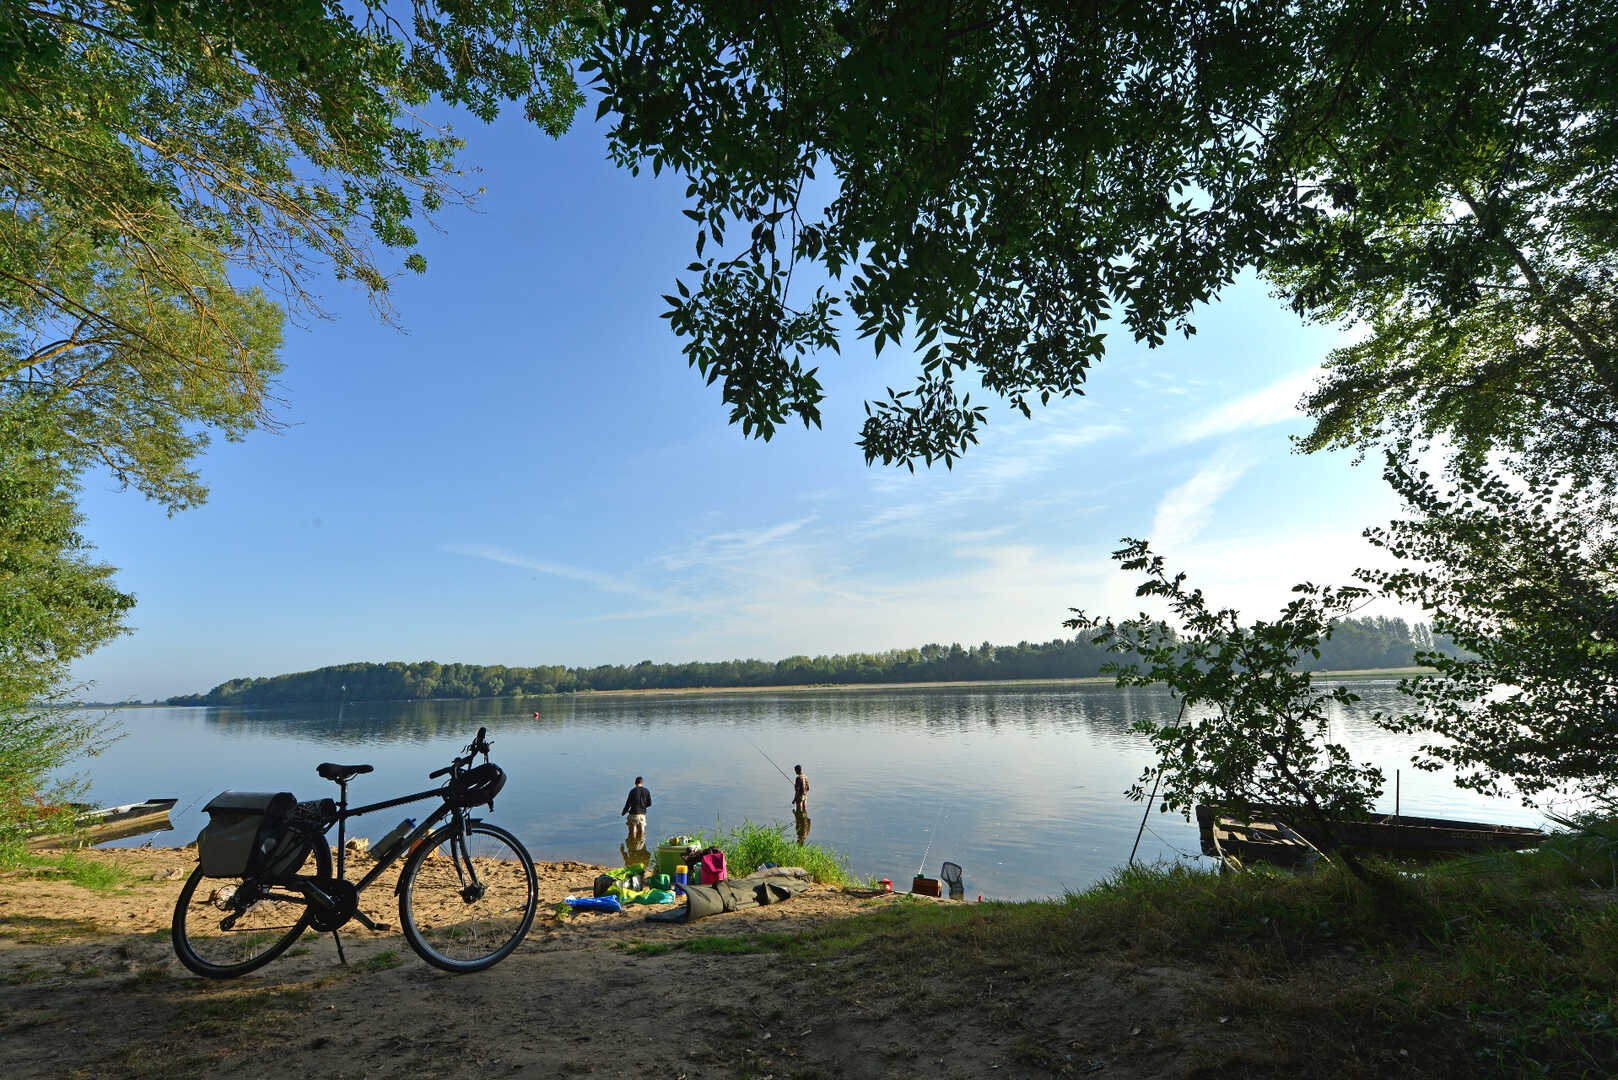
96, 826
1389, 834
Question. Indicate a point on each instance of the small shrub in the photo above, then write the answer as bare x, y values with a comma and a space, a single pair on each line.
749, 846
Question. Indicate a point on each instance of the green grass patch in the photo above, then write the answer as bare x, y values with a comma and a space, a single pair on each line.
71, 866
749, 846
1498, 966
382, 961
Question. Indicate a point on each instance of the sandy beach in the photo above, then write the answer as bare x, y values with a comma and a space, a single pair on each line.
90, 987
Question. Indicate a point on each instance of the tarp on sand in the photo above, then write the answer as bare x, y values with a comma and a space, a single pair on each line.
773, 886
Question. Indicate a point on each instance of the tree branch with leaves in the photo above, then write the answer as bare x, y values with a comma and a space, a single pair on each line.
1253, 728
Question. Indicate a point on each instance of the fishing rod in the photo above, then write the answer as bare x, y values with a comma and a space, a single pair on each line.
771, 760
1153, 799
930, 834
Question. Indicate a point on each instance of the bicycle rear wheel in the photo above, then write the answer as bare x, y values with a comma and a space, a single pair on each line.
225, 927
465, 902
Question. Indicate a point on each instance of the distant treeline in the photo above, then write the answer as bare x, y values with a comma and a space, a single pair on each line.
1355, 643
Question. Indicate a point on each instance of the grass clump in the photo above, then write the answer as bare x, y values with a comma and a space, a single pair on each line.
382, 961
71, 866
749, 846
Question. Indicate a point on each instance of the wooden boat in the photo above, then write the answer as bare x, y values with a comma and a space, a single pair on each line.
1240, 843
1388, 833
98, 825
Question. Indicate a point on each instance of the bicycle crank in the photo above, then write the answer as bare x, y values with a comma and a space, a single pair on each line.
331, 903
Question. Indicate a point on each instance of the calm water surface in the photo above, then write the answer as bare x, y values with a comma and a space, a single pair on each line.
1022, 787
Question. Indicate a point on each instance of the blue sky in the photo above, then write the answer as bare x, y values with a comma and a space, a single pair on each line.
525, 471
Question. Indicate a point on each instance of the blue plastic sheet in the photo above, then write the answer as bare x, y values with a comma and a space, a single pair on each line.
594, 903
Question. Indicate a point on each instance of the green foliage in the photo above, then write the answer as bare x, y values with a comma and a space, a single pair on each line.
748, 846
1478, 241
1003, 183
1252, 727
1522, 575
55, 606
157, 159
1355, 644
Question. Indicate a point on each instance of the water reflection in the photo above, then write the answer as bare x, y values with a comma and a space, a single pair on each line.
1022, 784
633, 850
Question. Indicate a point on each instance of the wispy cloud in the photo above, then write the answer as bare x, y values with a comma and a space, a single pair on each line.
1183, 511
726, 547
492, 554
1024, 449
1273, 404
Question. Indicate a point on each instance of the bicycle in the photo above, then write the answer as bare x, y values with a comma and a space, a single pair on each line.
467, 891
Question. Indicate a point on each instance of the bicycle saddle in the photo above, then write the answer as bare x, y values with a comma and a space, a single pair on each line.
339, 773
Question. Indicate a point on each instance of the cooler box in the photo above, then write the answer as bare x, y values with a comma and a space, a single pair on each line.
669, 856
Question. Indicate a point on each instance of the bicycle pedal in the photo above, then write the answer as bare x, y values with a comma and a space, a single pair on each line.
369, 923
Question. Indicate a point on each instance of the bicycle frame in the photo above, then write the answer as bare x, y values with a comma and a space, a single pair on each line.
417, 834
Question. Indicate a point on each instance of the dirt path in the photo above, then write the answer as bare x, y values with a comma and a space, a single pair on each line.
89, 987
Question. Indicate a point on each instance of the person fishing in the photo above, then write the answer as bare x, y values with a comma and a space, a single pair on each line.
800, 791
635, 807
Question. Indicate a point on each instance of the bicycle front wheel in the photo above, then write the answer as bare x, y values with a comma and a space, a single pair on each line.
466, 901
225, 927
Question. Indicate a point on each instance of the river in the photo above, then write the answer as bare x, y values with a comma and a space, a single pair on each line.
1022, 786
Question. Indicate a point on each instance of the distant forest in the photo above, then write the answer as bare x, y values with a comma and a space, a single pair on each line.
1355, 643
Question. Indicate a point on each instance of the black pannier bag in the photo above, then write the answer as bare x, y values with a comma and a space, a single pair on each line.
248, 835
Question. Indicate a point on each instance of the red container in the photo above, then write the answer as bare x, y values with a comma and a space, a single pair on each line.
886, 883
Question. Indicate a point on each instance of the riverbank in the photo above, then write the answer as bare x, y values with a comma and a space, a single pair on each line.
992, 684
995, 684
1503, 967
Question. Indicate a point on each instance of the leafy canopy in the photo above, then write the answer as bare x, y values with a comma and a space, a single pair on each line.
1527, 583
1012, 180
1476, 236
158, 159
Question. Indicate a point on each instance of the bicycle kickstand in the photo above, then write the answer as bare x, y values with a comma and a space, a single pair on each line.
341, 959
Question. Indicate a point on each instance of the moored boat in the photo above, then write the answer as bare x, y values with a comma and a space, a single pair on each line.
97, 825
1387, 833
1240, 843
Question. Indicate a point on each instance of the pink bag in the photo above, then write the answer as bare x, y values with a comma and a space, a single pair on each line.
713, 867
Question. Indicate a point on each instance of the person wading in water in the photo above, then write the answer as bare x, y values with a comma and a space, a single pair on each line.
800, 791
635, 807
800, 803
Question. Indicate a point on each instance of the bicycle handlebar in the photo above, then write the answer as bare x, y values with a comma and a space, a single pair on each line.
480, 745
